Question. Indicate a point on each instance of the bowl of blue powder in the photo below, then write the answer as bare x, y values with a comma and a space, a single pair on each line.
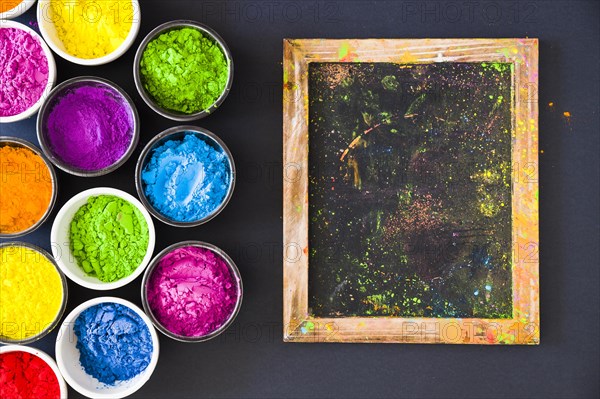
185, 176
107, 348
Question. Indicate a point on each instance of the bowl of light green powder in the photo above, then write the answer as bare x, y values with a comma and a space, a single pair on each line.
103, 238
183, 70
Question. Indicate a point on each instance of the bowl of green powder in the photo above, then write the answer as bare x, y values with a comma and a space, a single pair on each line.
183, 70
103, 238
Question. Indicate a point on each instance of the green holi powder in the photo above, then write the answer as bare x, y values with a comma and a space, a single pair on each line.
184, 71
108, 238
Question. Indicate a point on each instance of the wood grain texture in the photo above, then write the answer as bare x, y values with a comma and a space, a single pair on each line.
299, 325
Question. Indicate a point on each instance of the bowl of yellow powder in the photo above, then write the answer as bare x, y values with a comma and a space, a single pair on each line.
34, 293
89, 32
103, 238
28, 186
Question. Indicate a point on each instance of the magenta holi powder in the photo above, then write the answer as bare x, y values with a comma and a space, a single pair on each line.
23, 71
90, 126
192, 291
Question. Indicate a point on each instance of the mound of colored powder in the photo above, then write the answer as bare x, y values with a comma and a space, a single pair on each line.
108, 238
31, 292
114, 342
90, 127
192, 292
24, 375
23, 71
186, 180
184, 71
91, 29
26, 187
7, 5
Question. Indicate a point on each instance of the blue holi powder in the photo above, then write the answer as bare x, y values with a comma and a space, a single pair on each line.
114, 342
186, 180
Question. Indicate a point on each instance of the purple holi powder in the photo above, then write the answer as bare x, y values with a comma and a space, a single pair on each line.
192, 291
90, 127
23, 71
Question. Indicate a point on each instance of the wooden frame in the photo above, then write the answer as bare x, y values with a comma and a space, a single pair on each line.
299, 325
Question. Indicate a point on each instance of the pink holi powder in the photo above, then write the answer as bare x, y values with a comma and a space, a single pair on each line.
23, 71
192, 292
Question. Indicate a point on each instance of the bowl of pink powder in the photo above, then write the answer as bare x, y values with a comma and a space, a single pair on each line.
27, 71
88, 126
192, 291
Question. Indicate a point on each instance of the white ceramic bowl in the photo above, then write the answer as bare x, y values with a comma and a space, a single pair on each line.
48, 30
67, 356
44, 356
59, 239
21, 8
51, 73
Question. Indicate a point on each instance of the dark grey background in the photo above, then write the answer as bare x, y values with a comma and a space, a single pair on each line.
250, 359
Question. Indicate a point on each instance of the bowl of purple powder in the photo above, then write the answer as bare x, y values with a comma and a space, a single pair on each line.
88, 126
192, 291
27, 71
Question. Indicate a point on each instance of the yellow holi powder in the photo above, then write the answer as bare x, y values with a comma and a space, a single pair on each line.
90, 28
31, 292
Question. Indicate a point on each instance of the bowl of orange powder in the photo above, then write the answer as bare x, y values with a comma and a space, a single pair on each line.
28, 187
13, 8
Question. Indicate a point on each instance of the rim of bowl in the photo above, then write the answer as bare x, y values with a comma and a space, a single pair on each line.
164, 136
69, 321
172, 25
42, 13
51, 72
232, 267
65, 295
46, 358
100, 285
24, 143
17, 10
41, 120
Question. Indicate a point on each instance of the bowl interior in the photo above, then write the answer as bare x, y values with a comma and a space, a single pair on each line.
61, 242
56, 96
67, 357
209, 34
46, 19
178, 136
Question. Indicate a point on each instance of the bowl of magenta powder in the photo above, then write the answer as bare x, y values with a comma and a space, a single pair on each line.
29, 373
107, 348
27, 71
192, 291
185, 176
88, 126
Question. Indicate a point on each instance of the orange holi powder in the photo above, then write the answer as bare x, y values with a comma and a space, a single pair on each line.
25, 189
6, 5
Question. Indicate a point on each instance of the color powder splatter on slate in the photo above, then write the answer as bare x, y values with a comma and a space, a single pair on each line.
113, 341
108, 237
23, 71
410, 190
90, 127
187, 180
192, 291
24, 375
184, 71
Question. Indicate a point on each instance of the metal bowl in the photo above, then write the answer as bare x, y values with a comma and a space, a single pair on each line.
232, 267
49, 104
16, 142
65, 295
166, 27
177, 133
